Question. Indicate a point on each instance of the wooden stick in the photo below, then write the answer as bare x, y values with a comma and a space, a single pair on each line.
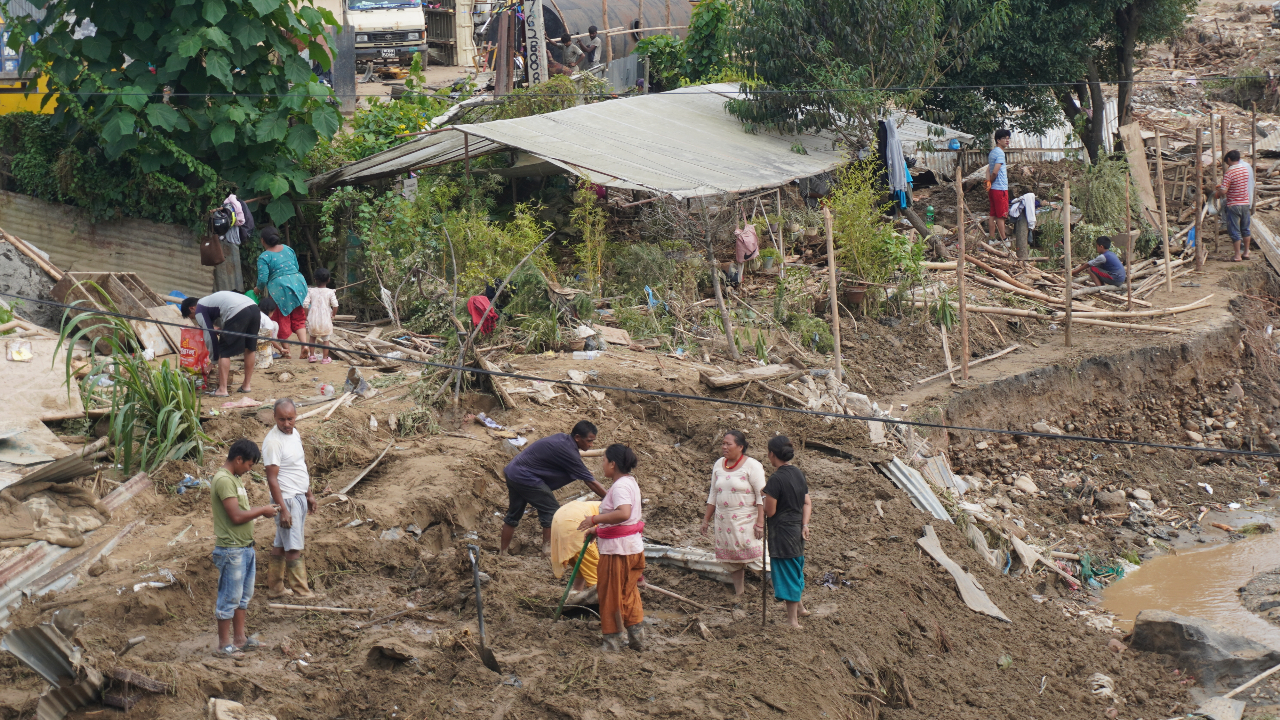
322, 408
1144, 313
979, 361
831, 274
1128, 255
646, 586
335, 406
395, 615
322, 608
366, 471
1066, 253
764, 585
960, 267
1164, 217
782, 394
30, 252
1200, 254
1018, 312
946, 350
1252, 682
1253, 151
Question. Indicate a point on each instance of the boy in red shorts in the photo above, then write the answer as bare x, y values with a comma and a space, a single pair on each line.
998, 185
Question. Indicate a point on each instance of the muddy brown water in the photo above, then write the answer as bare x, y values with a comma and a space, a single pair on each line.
1200, 583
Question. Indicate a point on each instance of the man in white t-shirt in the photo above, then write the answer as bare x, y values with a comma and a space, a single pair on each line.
290, 484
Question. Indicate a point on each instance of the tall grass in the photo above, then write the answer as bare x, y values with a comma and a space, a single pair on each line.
155, 410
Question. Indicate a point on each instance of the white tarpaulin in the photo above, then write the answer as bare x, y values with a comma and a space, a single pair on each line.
681, 143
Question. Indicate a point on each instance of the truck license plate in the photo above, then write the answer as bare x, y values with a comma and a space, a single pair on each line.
388, 52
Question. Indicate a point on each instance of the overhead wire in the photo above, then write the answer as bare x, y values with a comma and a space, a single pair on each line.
677, 396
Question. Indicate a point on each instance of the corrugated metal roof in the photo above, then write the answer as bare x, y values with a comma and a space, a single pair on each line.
682, 143
912, 483
166, 257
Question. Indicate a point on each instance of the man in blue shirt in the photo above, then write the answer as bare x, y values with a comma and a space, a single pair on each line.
1106, 268
998, 185
544, 467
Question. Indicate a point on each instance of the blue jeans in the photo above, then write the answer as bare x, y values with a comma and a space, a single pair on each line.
1238, 223
237, 568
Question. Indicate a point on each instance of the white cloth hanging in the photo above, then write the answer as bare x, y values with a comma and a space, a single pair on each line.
1027, 202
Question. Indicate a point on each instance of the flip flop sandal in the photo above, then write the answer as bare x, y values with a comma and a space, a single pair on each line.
230, 652
242, 391
214, 394
251, 644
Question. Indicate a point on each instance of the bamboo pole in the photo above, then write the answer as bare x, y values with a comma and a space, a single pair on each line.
831, 275
1066, 253
1128, 253
1019, 312
960, 263
1222, 167
1199, 200
608, 42
1157, 312
1164, 216
1253, 153
668, 20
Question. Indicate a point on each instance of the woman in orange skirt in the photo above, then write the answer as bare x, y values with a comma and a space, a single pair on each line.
618, 530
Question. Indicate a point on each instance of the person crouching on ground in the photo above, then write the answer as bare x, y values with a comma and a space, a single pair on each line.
736, 502
286, 464
1106, 268
233, 552
536, 473
566, 544
618, 530
787, 508
237, 315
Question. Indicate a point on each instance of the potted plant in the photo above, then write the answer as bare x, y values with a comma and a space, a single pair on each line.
768, 256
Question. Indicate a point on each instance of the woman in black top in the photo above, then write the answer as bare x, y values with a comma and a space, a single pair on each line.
787, 509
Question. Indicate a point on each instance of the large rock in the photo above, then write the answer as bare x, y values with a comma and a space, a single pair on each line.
1111, 501
1197, 645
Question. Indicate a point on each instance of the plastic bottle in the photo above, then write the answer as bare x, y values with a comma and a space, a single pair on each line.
928, 215
586, 354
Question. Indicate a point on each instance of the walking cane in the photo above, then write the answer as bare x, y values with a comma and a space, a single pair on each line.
581, 554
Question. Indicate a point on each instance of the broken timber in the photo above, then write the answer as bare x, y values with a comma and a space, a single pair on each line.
970, 591
737, 379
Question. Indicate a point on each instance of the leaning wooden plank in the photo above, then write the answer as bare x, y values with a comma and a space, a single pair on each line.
1266, 240
365, 471
499, 385
970, 591
736, 379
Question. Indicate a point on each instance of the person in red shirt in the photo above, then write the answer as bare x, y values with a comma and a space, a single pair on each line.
1236, 185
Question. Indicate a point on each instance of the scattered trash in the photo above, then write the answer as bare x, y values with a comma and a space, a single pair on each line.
169, 579
1234, 506
326, 390
244, 402
1005, 662
586, 354
189, 483
284, 377
489, 422
518, 441
373, 424
391, 534
512, 680
19, 350
1207, 487
1102, 686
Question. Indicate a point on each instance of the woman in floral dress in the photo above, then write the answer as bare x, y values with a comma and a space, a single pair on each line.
736, 501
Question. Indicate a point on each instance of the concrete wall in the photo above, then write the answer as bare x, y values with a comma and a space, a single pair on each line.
166, 257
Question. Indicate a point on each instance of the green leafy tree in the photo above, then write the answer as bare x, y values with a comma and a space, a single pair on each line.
1051, 61
834, 66
707, 44
200, 90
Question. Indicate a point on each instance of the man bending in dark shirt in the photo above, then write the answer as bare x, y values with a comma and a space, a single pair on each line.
544, 467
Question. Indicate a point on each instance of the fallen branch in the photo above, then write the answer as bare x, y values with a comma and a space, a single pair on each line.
395, 615
681, 598
366, 471
948, 371
1141, 313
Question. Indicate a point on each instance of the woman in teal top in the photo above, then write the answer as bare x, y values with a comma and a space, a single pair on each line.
278, 275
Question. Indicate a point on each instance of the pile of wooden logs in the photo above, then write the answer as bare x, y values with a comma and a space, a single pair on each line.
358, 342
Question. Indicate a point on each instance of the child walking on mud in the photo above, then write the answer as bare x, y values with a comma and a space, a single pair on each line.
320, 304
618, 530
233, 552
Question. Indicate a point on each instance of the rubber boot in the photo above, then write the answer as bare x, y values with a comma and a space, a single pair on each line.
612, 643
296, 576
275, 578
635, 634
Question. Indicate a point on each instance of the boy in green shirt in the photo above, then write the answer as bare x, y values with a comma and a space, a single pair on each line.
233, 553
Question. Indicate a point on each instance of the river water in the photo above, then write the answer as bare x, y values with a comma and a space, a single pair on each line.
1201, 583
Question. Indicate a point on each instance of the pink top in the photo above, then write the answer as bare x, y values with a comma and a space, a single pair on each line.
624, 491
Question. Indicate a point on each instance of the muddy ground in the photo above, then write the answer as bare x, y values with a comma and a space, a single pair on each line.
887, 638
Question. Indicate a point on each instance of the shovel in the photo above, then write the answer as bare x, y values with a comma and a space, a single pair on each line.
486, 655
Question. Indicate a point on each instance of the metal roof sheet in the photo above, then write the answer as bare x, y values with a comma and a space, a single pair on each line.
682, 143
910, 481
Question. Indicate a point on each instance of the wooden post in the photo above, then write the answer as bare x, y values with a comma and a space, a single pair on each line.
608, 40
501, 76
1253, 155
1066, 253
1164, 217
1128, 253
1199, 201
960, 267
782, 240
831, 276
466, 154
668, 21
764, 596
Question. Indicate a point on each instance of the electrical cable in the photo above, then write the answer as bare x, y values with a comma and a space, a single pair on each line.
700, 91
677, 396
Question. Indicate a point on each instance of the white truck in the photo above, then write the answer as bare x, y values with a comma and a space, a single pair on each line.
388, 32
